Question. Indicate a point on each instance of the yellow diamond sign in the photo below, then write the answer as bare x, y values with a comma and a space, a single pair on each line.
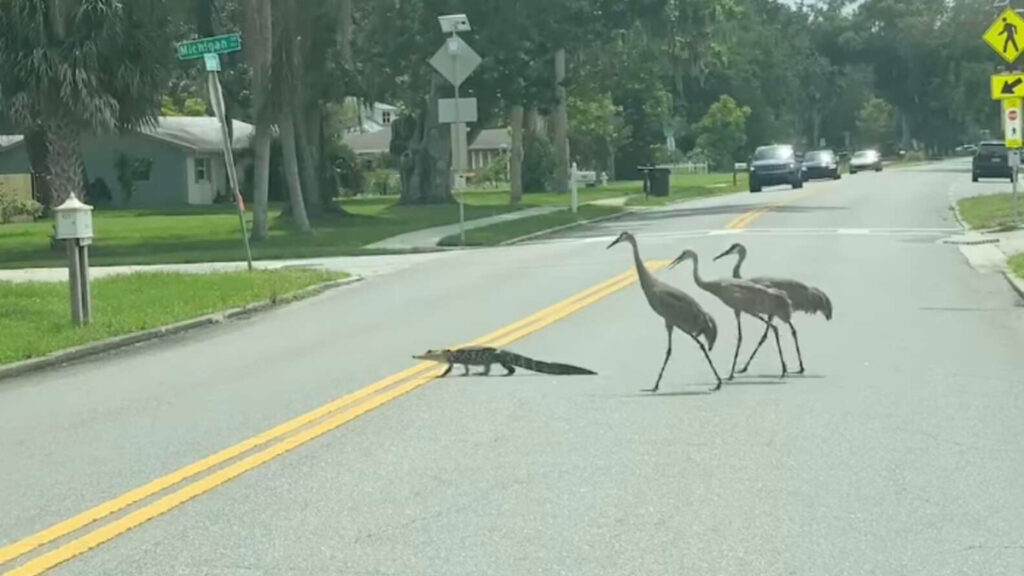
1006, 35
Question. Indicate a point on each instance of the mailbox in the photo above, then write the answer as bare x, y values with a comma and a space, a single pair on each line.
74, 220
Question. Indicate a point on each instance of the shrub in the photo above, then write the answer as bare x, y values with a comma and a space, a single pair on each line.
12, 207
384, 183
538, 162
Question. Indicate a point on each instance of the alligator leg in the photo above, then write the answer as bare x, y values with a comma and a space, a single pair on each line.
447, 370
509, 369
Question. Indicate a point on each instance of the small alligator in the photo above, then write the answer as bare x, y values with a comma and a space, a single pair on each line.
486, 357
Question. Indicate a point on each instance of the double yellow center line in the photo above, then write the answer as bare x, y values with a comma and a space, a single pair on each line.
746, 219
273, 443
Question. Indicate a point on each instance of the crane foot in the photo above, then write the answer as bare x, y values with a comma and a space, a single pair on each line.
651, 390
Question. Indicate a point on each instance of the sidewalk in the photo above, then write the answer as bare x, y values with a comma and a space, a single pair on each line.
365, 266
990, 252
430, 237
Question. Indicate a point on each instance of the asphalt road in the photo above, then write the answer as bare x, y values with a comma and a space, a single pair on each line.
899, 453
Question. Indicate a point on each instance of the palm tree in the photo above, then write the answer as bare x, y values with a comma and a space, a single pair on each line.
69, 67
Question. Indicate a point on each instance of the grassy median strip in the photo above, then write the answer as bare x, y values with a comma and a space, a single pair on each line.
988, 211
498, 233
35, 317
1017, 265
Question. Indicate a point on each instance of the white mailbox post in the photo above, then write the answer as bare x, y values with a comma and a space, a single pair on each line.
74, 226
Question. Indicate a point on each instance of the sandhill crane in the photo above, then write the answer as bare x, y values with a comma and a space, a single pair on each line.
804, 298
677, 308
744, 298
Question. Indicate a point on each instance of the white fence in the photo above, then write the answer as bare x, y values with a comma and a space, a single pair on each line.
690, 168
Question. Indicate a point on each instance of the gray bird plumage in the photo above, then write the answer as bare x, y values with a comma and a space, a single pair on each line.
744, 298
806, 299
678, 309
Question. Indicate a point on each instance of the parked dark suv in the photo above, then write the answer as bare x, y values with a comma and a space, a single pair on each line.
991, 161
773, 165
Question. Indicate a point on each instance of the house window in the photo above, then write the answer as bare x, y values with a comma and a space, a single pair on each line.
385, 117
202, 169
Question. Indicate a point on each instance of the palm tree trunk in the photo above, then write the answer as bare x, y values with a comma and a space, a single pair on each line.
38, 150
261, 184
561, 127
291, 169
65, 159
259, 48
516, 160
307, 164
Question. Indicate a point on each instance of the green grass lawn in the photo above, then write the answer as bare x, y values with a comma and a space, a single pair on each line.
1017, 265
695, 186
988, 211
212, 234
498, 233
35, 319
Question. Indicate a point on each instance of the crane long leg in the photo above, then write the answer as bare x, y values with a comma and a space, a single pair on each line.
778, 343
707, 357
739, 343
799, 355
764, 338
668, 354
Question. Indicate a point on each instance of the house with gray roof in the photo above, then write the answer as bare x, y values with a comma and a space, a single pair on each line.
489, 144
176, 162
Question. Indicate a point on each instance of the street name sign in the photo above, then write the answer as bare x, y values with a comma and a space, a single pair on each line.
1006, 35
456, 60
1013, 127
1006, 86
196, 49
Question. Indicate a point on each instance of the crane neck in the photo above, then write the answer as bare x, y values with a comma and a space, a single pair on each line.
742, 257
641, 269
696, 272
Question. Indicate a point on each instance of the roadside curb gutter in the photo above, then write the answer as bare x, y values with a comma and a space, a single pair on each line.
540, 233
975, 238
63, 357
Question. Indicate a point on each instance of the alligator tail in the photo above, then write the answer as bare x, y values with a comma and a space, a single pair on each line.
552, 368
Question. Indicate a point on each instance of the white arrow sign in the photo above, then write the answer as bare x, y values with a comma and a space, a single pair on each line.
456, 60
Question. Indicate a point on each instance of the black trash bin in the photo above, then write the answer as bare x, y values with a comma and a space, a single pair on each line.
659, 181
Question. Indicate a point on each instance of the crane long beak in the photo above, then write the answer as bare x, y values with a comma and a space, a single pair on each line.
675, 262
723, 254
617, 240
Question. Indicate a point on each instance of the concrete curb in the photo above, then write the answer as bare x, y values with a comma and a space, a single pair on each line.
959, 218
1016, 283
540, 233
96, 348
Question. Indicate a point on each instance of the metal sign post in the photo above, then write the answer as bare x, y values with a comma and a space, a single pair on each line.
217, 99
574, 188
209, 49
1013, 125
456, 61
1014, 158
74, 226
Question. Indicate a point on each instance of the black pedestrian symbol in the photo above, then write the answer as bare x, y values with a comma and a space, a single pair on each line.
1010, 31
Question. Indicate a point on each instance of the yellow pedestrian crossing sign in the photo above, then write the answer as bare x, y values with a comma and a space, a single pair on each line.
1006, 35
1007, 86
